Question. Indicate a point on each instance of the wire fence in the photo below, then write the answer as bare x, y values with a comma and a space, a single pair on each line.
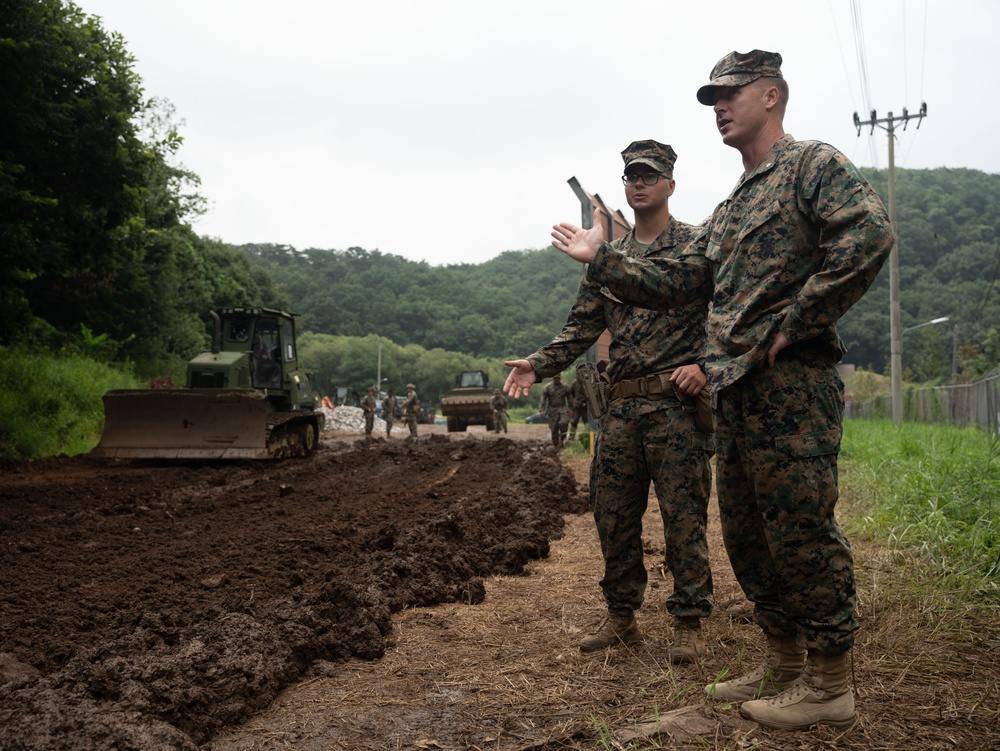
961, 405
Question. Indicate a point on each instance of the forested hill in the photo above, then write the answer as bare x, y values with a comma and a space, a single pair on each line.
949, 227
504, 307
948, 224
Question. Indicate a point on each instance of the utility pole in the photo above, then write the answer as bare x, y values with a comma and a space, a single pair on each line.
895, 349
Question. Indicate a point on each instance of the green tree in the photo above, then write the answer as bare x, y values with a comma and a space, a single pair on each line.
72, 169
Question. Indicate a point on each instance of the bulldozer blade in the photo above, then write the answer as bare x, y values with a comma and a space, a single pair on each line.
184, 424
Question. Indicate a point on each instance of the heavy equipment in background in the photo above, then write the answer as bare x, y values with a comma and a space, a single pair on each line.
469, 402
245, 398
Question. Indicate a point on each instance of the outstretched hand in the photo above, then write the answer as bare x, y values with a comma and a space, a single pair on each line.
520, 379
579, 244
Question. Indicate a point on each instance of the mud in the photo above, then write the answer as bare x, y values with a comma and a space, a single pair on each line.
147, 605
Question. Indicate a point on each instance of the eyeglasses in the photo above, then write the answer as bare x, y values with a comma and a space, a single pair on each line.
648, 178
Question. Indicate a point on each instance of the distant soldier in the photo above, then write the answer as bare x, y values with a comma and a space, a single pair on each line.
577, 406
499, 405
389, 412
411, 409
555, 405
368, 404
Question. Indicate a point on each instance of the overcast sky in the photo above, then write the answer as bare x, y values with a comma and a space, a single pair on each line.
445, 130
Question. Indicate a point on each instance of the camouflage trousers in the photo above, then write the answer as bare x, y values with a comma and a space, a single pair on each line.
778, 434
558, 424
577, 413
642, 441
411, 423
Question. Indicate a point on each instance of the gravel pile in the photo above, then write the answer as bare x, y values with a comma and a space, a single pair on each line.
350, 418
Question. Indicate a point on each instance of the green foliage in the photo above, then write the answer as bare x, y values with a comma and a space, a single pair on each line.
932, 491
354, 362
948, 224
52, 404
505, 307
71, 170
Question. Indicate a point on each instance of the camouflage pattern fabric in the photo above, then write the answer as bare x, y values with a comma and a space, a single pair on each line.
641, 440
796, 244
411, 410
645, 339
799, 240
368, 406
555, 406
578, 406
778, 436
389, 413
499, 404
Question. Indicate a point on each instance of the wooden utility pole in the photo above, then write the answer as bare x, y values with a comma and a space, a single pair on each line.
895, 349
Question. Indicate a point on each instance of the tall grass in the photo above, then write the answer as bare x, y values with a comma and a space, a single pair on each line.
932, 491
50, 404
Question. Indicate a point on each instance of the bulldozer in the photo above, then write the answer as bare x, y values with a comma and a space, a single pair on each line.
469, 402
245, 398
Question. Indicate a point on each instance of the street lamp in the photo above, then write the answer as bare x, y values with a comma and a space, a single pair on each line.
920, 326
897, 370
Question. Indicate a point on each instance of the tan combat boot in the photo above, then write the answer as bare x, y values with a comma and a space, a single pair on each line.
618, 628
782, 665
689, 643
821, 696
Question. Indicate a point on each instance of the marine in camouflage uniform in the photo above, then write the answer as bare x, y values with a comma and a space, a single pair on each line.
411, 409
389, 412
646, 436
577, 406
799, 240
368, 405
499, 404
554, 405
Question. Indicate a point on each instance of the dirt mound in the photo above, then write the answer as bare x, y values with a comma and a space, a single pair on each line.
145, 605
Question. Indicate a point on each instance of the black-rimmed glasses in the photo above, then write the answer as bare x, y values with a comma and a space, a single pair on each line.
648, 178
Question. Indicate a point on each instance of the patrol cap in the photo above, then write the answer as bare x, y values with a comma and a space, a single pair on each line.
659, 156
739, 69
410, 386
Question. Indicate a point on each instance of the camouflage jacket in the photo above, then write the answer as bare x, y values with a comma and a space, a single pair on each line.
798, 242
577, 395
389, 408
554, 396
411, 405
643, 340
368, 404
499, 401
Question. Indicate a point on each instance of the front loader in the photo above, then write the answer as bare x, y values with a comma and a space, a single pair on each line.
246, 398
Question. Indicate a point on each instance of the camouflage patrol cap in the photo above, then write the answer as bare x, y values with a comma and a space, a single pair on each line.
410, 386
659, 156
739, 69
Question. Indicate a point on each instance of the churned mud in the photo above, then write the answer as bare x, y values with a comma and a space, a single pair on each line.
147, 605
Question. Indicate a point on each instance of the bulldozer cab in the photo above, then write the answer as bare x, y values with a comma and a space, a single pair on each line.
266, 355
473, 379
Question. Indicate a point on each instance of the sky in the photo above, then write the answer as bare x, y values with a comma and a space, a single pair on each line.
445, 131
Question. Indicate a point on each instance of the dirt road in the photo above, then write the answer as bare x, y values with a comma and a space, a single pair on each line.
401, 594
148, 605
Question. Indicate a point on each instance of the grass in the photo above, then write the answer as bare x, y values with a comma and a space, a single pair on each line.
932, 491
51, 405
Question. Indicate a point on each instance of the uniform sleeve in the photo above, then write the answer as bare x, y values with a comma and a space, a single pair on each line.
583, 327
855, 240
656, 283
